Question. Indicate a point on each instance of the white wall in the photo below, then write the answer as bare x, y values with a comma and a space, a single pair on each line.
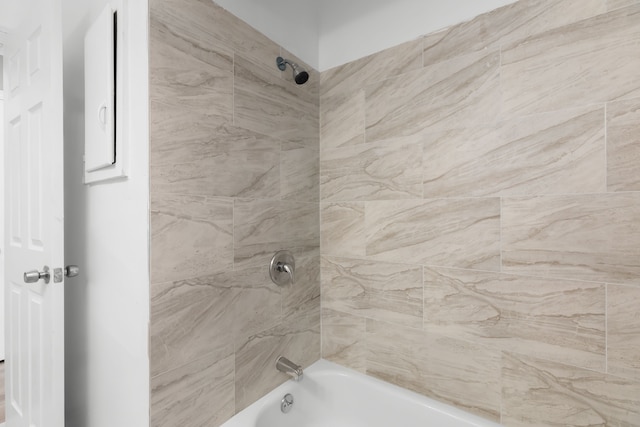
290, 23
106, 230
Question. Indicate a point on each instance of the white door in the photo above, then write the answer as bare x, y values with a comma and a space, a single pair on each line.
34, 217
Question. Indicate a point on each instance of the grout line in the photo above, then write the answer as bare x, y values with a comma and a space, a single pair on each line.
606, 144
606, 328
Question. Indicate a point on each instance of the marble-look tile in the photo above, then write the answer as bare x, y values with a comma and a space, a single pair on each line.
556, 320
191, 154
299, 175
377, 290
191, 236
303, 296
507, 24
189, 319
274, 106
584, 237
594, 60
623, 145
377, 171
342, 229
463, 233
343, 339
202, 21
342, 119
465, 89
297, 338
263, 227
196, 77
373, 68
552, 153
542, 393
460, 373
195, 395
617, 4
623, 331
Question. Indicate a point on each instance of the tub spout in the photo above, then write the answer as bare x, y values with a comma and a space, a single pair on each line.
288, 367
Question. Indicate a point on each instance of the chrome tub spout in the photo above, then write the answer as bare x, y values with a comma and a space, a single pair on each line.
288, 367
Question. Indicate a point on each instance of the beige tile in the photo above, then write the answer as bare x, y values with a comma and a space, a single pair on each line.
298, 339
342, 119
438, 97
342, 229
462, 233
541, 393
623, 145
343, 339
299, 174
303, 296
274, 106
191, 236
377, 290
190, 155
557, 320
589, 237
459, 373
198, 394
573, 65
552, 153
202, 21
378, 171
379, 66
189, 320
617, 4
507, 24
623, 331
194, 76
263, 227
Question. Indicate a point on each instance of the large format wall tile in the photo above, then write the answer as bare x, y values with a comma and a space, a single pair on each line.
541, 393
204, 22
437, 97
274, 106
378, 171
263, 227
457, 372
342, 229
553, 319
594, 60
379, 66
299, 174
297, 338
198, 394
192, 156
191, 236
461, 233
373, 289
577, 237
550, 153
204, 310
623, 145
506, 24
195, 76
343, 339
616, 4
342, 119
623, 331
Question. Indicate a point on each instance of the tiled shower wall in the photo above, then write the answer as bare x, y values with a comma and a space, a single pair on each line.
480, 214
234, 178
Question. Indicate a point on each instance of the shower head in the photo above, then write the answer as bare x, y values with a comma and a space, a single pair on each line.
299, 75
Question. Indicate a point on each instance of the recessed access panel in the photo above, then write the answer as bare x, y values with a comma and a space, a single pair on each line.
100, 92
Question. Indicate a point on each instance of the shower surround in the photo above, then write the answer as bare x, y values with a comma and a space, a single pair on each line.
234, 178
479, 198
480, 214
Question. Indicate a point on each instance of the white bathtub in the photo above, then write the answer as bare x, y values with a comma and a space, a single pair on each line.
332, 396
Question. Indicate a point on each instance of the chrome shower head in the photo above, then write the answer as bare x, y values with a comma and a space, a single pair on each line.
299, 75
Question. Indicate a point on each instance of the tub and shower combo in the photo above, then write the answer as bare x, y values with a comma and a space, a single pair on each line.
329, 395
